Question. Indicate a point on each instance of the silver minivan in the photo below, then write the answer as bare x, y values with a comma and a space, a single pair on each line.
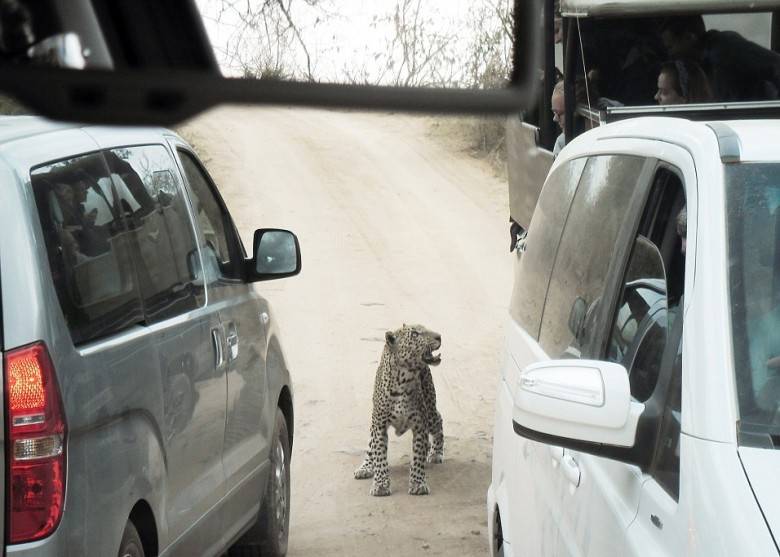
147, 401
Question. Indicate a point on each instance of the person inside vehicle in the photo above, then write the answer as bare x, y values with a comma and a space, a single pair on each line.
682, 82
621, 58
738, 69
16, 30
558, 106
682, 228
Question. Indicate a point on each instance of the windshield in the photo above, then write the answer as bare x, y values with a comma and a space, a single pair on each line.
753, 192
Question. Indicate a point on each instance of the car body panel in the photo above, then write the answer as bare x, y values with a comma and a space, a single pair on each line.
717, 513
617, 508
147, 407
761, 467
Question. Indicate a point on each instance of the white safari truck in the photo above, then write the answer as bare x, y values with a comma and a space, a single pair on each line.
638, 407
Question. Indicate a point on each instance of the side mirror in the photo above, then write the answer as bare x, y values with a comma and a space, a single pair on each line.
277, 255
576, 404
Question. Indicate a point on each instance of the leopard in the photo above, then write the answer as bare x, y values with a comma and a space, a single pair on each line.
405, 398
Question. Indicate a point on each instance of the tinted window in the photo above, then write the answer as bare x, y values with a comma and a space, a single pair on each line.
753, 205
89, 245
156, 214
648, 304
584, 255
213, 219
533, 273
666, 468
639, 329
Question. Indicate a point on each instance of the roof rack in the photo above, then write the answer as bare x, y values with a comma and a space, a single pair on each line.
707, 111
728, 142
635, 8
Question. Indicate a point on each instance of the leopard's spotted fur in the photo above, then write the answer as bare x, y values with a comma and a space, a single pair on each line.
405, 398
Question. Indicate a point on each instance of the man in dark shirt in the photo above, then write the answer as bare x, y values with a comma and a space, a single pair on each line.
738, 69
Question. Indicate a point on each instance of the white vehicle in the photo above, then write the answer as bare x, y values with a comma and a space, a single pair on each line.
619, 429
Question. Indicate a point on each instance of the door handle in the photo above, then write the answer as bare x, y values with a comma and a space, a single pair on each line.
232, 341
219, 356
571, 469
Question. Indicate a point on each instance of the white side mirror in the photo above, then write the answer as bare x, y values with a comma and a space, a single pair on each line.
582, 400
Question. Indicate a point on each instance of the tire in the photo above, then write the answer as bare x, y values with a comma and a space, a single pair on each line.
268, 537
131, 545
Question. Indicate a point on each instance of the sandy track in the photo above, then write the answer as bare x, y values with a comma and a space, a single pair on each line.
394, 228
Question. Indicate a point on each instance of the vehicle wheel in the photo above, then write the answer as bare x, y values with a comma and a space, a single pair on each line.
268, 537
131, 545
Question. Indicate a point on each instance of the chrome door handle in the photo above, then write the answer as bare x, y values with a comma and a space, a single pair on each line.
216, 338
232, 341
571, 469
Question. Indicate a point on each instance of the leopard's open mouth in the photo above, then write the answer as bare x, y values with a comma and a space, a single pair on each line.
431, 359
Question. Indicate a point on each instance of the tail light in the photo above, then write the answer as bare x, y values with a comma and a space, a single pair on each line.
35, 444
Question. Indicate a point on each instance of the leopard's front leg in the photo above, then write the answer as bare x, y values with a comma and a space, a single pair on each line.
417, 484
435, 428
381, 484
366, 469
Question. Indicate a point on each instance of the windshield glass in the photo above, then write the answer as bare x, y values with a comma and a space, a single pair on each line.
753, 207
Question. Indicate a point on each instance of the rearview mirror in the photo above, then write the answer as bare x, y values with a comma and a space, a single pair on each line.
152, 62
583, 401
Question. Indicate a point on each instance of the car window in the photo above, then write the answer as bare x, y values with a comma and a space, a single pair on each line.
649, 299
753, 224
89, 246
543, 236
646, 336
666, 466
214, 220
156, 214
584, 255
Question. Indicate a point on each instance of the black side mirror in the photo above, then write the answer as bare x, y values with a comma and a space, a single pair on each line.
277, 254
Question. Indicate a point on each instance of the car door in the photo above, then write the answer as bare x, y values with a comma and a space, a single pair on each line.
530, 522
660, 527
528, 164
588, 491
641, 279
243, 321
183, 327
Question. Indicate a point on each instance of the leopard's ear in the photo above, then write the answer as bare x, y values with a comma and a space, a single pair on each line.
390, 338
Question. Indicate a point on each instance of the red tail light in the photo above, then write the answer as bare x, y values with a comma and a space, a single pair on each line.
35, 445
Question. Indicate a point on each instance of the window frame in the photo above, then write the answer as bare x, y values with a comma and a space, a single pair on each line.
198, 294
618, 263
232, 237
518, 300
676, 339
98, 151
656, 404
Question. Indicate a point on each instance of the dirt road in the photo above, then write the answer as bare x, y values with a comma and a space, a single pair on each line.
394, 227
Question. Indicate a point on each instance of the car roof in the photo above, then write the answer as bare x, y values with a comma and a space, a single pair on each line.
15, 128
738, 140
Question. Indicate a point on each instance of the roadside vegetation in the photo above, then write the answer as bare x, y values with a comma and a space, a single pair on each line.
408, 43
